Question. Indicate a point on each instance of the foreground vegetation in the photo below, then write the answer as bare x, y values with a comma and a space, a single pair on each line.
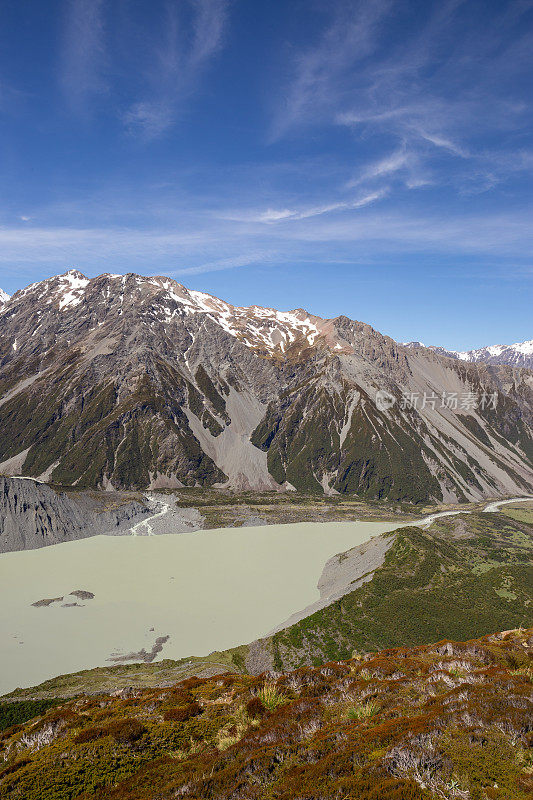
451, 720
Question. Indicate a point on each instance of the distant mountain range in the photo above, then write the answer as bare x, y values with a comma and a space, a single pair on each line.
518, 355
125, 381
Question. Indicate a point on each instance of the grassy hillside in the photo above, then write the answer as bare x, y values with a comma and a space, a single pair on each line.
463, 577
443, 721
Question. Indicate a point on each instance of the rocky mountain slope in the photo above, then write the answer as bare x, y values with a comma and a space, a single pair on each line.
33, 515
134, 382
517, 355
448, 721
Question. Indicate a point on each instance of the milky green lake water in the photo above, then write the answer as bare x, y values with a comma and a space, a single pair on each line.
207, 591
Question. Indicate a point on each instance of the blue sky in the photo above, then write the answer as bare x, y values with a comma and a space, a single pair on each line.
368, 158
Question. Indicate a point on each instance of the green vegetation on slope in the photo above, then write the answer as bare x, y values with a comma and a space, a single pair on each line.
97, 434
465, 576
301, 432
17, 713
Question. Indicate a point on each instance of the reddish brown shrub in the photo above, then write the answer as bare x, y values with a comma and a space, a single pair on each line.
126, 730
191, 683
333, 669
255, 708
183, 714
180, 696
89, 735
385, 789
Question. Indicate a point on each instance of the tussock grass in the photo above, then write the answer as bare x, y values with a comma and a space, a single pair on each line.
363, 710
271, 696
526, 671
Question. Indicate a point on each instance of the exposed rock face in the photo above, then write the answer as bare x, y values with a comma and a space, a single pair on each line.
133, 382
33, 515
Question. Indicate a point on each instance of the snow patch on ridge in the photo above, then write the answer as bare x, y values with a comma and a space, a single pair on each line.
255, 326
519, 354
74, 284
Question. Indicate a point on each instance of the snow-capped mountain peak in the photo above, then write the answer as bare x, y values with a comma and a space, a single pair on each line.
4, 297
524, 347
164, 300
519, 354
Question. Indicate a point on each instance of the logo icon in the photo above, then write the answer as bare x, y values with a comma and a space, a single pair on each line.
384, 400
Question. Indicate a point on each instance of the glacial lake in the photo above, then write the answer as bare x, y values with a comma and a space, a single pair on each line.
206, 591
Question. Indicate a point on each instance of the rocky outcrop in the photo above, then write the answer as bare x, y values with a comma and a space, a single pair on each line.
33, 515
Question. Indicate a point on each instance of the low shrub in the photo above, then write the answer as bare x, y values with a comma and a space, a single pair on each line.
483, 760
126, 731
183, 713
191, 683
255, 708
378, 787
14, 767
90, 735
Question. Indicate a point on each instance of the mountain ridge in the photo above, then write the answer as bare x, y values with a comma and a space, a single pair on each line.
519, 354
131, 382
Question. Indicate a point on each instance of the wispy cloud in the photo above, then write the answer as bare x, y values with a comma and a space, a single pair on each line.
220, 264
430, 95
83, 53
200, 246
318, 74
273, 215
399, 162
176, 65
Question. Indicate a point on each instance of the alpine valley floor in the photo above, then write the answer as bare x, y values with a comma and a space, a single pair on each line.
461, 574
199, 592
